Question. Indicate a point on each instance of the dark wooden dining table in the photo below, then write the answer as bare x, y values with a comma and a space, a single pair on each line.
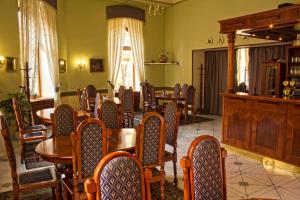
169, 97
59, 149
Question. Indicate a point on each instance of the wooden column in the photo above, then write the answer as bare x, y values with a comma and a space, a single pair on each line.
231, 59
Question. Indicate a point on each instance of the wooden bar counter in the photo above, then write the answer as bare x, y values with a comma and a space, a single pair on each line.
263, 125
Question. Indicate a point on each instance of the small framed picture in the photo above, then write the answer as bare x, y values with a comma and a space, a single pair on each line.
96, 65
62, 65
10, 64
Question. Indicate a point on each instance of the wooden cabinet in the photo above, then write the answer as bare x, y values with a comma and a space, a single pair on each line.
237, 122
293, 67
292, 152
268, 128
273, 76
264, 125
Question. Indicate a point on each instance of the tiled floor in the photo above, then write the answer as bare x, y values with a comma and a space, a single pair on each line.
246, 178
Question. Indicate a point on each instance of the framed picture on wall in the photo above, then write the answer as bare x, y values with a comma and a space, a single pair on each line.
96, 65
10, 64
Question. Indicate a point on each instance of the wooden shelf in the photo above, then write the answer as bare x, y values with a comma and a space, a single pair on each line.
158, 63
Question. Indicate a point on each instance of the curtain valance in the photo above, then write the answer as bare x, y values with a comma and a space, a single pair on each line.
125, 11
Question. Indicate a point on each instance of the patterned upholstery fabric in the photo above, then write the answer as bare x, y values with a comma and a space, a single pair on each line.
91, 148
110, 114
190, 95
170, 118
177, 89
151, 141
63, 116
128, 104
121, 180
146, 94
184, 90
207, 171
35, 176
152, 95
83, 101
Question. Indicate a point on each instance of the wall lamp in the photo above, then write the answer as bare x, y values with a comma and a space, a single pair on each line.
1, 61
81, 64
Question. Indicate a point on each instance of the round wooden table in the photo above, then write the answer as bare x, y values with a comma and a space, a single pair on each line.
44, 114
59, 149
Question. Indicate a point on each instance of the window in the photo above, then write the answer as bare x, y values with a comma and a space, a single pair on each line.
127, 72
242, 60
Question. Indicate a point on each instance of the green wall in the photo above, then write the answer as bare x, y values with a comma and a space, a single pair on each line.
189, 24
9, 45
83, 35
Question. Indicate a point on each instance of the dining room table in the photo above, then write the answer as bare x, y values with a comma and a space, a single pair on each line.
58, 149
168, 97
45, 114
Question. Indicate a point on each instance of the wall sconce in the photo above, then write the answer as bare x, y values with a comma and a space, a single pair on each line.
1, 61
62, 65
210, 41
81, 64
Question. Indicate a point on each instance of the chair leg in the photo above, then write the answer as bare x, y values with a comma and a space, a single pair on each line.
57, 192
65, 194
175, 173
185, 114
162, 184
15, 195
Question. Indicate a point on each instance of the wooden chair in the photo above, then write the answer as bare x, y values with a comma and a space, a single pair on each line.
119, 175
91, 93
150, 146
110, 115
82, 98
89, 146
204, 170
171, 116
127, 108
30, 180
145, 88
121, 91
63, 120
97, 103
27, 133
153, 101
189, 103
184, 90
177, 90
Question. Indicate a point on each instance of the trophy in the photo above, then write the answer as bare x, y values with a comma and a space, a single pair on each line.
289, 88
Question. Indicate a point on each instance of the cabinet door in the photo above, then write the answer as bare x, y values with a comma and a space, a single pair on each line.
292, 150
268, 128
237, 122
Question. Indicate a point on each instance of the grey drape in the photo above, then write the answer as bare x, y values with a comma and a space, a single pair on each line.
257, 56
215, 80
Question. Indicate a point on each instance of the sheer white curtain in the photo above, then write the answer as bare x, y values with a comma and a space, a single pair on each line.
116, 36
29, 37
48, 50
135, 29
39, 46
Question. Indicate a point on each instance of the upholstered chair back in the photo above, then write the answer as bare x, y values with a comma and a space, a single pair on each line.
171, 116
97, 102
109, 114
184, 90
83, 100
127, 101
91, 91
146, 92
204, 170
177, 90
151, 142
89, 147
121, 91
63, 120
152, 95
190, 99
119, 175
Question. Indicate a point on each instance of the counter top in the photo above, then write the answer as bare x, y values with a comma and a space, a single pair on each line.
261, 98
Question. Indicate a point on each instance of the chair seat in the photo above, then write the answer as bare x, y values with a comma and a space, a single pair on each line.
36, 135
39, 127
168, 156
37, 176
